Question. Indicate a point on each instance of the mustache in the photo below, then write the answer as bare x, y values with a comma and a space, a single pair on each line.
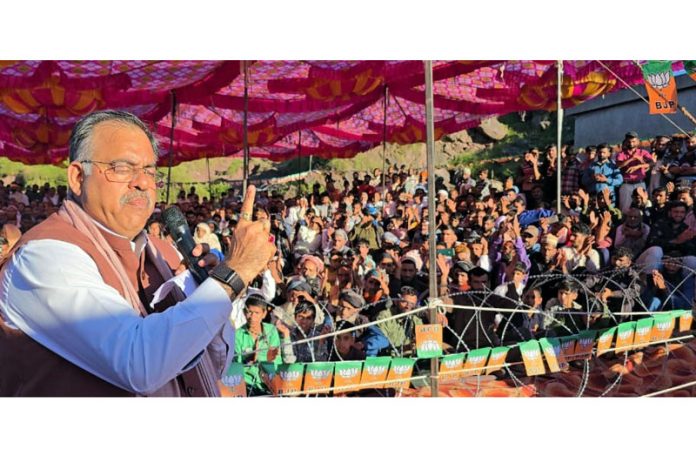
136, 194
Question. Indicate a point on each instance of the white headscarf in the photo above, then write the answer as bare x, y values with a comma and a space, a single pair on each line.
208, 237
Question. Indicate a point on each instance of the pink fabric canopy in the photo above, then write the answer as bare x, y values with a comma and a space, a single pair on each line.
326, 108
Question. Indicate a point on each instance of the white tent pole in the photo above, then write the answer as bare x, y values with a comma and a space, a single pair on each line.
384, 139
171, 145
245, 175
559, 134
432, 262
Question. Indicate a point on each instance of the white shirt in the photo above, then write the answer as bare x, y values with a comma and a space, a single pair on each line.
69, 309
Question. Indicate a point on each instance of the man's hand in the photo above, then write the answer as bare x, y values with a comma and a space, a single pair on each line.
283, 329
607, 196
584, 196
251, 248
207, 260
658, 280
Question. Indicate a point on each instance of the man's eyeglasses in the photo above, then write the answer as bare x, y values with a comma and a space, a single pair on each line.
121, 171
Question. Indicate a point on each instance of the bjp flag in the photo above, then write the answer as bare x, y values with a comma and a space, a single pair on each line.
661, 87
690, 67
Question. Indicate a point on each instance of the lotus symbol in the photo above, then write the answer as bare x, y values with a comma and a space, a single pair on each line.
429, 345
376, 370
625, 335
401, 370
289, 376
605, 338
232, 381
452, 364
319, 374
348, 373
659, 80
643, 331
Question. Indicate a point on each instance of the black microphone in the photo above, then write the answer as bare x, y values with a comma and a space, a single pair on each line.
178, 228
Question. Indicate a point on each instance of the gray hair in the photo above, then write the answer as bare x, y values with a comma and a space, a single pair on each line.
81, 138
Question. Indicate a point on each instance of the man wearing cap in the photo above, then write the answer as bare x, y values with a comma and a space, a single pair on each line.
530, 237
634, 163
407, 275
545, 262
350, 306
297, 289
368, 229
311, 268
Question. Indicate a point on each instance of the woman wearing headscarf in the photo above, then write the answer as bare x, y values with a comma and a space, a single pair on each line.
205, 235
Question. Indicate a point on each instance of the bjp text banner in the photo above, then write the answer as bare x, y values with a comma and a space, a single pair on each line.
531, 356
232, 383
685, 320
318, 377
624, 336
429, 341
584, 345
568, 347
451, 367
288, 379
552, 352
497, 359
605, 339
374, 372
267, 371
476, 362
644, 328
661, 87
347, 376
400, 373
663, 327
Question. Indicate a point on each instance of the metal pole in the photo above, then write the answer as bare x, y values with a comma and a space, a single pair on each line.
384, 138
299, 151
245, 180
559, 133
210, 184
171, 145
432, 262
310, 162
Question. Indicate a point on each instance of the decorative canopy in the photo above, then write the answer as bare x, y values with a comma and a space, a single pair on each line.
326, 108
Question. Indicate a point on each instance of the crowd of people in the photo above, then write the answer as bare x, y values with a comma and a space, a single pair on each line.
355, 251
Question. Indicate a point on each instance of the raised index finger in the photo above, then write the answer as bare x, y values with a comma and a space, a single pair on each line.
248, 204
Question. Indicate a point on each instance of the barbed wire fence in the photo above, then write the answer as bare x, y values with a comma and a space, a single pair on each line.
512, 371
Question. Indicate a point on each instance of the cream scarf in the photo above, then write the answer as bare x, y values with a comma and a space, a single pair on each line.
72, 213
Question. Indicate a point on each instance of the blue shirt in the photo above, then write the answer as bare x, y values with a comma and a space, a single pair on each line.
608, 169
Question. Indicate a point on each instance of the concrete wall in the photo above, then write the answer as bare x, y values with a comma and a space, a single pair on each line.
608, 118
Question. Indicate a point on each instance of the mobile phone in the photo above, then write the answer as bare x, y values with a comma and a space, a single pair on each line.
446, 252
552, 219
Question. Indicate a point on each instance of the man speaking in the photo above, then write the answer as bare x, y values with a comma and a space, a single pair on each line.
76, 294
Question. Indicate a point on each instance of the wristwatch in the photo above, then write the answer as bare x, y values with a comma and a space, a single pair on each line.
228, 276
